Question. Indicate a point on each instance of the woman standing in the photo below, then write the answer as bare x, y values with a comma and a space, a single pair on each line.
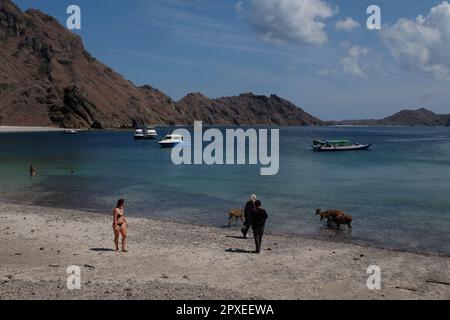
120, 225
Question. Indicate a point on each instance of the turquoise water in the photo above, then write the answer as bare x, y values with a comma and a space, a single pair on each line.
398, 193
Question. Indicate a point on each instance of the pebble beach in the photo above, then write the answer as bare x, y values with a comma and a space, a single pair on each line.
183, 261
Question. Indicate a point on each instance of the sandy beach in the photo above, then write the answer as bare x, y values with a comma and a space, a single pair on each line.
181, 261
10, 129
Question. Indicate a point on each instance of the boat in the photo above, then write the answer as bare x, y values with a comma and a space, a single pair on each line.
171, 141
150, 133
139, 134
338, 145
71, 131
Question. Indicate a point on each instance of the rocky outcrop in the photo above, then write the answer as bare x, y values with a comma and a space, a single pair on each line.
76, 111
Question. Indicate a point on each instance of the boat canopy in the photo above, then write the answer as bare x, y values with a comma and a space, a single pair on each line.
173, 137
338, 141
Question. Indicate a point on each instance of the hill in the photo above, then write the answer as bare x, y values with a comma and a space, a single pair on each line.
48, 78
419, 117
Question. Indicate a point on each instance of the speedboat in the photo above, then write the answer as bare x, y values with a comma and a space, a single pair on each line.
338, 145
139, 134
171, 141
71, 131
150, 133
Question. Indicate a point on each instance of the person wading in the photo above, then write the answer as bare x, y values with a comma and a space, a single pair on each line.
249, 207
33, 171
258, 219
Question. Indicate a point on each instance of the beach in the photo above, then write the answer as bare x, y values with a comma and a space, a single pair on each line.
16, 129
169, 260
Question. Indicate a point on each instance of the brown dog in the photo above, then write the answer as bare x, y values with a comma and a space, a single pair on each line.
235, 214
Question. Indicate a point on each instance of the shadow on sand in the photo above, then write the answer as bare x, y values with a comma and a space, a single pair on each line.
231, 250
102, 250
237, 237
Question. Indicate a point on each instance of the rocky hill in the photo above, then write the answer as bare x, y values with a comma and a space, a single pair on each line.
247, 109
419, 117
47, 78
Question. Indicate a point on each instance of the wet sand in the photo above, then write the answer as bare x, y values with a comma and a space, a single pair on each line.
181, 261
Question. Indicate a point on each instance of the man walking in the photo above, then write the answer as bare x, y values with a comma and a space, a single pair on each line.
258, 219
249, 207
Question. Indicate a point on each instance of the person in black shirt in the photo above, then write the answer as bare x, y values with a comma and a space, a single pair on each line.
249, 207
258, 219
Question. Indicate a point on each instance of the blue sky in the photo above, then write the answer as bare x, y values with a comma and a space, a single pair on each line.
226, 47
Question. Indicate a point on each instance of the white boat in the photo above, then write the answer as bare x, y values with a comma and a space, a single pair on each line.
150, 133
139, 134
71, 131
338, 145
171, 141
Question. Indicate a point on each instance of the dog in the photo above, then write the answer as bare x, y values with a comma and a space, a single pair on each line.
235, 214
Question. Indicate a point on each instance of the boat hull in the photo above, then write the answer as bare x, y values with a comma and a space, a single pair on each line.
71, 132
342, 148
166, 145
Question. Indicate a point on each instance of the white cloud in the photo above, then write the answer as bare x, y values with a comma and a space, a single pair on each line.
423, 44
299, 21
353, 63
348, 24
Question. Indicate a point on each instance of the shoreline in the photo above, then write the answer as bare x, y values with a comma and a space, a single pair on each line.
21, 129
31, 129
357, 242
169, 260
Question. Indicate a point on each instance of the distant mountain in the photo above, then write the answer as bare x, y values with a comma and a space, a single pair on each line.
47, 78
247, 109
419, 117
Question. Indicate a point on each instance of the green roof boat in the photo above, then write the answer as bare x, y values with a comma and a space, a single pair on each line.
338, 145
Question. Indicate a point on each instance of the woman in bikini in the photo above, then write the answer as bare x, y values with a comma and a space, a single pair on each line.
120, 225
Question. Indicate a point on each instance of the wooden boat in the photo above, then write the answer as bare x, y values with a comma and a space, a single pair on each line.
338, 145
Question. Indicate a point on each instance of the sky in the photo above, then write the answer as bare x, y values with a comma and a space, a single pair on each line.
319, 54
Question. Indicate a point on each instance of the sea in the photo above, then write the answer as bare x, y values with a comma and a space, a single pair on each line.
398, 192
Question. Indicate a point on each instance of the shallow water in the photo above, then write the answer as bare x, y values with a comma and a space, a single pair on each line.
398, 193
